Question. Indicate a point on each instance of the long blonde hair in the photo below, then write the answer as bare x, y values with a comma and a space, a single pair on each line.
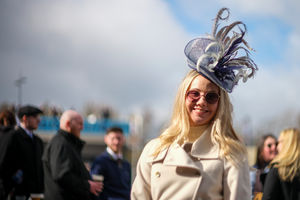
288, 159
222, 131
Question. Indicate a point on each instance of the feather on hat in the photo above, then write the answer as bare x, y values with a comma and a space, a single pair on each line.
218, 56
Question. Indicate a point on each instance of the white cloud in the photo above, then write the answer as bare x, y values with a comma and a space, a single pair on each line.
123, 53
130, 54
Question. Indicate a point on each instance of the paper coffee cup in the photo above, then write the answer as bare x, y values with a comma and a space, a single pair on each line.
37, 196
97, 177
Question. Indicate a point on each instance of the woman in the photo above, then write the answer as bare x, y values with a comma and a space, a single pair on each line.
266, 151
199, 156
283, 179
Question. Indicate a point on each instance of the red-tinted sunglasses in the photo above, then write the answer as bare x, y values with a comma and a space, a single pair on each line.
210, 97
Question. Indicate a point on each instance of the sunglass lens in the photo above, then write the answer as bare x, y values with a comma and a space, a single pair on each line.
194, 95
211, 97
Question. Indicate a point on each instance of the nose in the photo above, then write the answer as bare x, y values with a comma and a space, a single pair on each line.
201, 100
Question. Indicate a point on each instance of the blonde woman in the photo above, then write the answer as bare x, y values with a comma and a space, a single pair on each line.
199, 155
283, 179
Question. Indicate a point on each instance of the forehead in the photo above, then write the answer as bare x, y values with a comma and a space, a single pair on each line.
203, 84
114, 134
77, 119
32, 116
270, 140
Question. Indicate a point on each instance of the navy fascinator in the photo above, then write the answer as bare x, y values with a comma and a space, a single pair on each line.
223, 56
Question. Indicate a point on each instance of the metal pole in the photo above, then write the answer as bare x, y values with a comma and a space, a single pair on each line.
19, 82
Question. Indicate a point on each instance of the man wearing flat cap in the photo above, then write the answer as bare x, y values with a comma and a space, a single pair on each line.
21, 166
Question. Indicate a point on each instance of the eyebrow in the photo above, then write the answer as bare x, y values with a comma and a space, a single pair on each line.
209, 89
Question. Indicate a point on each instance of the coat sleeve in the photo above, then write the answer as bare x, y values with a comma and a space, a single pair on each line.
272, 186
237, 181
98, 166
141, 187
61, 165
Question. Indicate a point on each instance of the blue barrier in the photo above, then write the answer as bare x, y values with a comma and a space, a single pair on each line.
51, 124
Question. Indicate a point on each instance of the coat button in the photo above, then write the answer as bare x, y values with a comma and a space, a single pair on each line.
157, 174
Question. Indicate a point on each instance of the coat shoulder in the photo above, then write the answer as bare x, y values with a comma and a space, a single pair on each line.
151, 146
149, 150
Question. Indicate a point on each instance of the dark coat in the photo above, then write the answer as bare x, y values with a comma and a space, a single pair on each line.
276, 189
6, 182
29, 160
24, 154
117, 177
66, 176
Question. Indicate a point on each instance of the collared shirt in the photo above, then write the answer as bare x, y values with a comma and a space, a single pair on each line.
28, 132
113, 154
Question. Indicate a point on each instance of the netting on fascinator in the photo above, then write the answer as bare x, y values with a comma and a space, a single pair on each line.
223, 57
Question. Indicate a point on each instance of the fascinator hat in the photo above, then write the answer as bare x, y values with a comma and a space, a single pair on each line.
223, 56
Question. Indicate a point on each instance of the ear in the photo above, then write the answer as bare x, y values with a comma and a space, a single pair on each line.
105, 138
68, 125
24, 118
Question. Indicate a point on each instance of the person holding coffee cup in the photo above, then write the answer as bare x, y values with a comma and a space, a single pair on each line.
114, 169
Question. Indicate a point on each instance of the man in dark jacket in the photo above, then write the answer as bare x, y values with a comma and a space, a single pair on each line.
66, 176
111, 165
22, 156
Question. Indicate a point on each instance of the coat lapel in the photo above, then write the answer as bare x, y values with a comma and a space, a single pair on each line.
204, 148
177, 156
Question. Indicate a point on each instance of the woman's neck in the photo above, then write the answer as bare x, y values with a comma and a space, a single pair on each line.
196, 132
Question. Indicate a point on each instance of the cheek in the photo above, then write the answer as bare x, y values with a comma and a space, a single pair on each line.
214, 108
266, 152
188, 105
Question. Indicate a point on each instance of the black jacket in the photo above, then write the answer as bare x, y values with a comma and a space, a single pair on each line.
6, 182
66, 176
29, 160
276, 189
23, 153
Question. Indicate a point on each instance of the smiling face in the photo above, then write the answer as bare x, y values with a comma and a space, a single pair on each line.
269, 149
200, 112
114, 140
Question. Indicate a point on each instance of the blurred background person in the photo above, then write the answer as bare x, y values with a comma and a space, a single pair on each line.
66, 176
7, 124
113, 167
266, 151
22, 156
283, 179
7, 121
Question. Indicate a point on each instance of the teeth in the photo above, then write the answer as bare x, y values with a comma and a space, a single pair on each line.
200, 109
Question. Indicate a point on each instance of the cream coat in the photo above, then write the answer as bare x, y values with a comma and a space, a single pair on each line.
174, 174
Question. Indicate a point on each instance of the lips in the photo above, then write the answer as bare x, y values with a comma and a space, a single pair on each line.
200, 110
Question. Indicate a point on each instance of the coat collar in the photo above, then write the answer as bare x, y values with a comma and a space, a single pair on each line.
76, 142
202, 149
23, 133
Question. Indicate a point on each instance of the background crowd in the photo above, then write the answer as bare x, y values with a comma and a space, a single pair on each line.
274, 174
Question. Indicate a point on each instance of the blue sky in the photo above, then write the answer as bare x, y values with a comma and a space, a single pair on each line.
129, 54
268, 46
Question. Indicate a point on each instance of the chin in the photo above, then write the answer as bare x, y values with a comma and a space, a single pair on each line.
200, 122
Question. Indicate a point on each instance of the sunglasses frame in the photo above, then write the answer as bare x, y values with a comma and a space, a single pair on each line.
205, 96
